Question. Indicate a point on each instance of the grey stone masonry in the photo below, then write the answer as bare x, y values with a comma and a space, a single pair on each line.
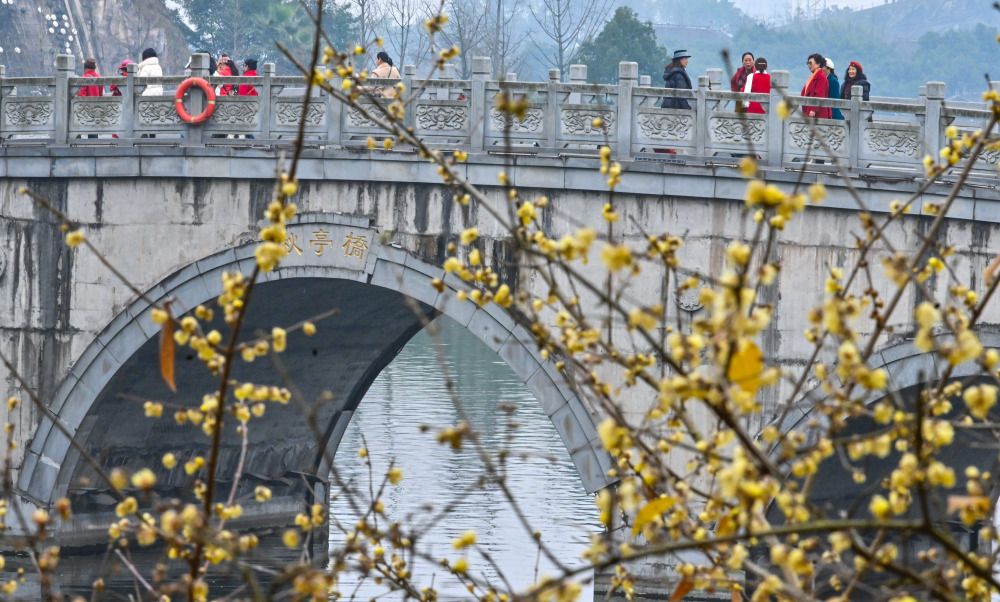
883, 136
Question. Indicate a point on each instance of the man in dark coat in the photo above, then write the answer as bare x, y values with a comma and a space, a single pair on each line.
675, 76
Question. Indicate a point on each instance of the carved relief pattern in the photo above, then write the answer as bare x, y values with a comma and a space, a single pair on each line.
532, 121
94, 113
990, 156
442, 118
29, 113
235, 113
582, 122
153, 112
666, 127
892, 142
833, 135
738, 130
358, 119
289, 113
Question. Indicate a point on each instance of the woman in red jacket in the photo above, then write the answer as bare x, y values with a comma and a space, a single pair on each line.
90, 70
816, 86
758, 82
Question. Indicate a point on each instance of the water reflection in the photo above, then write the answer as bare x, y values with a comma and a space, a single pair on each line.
411, 392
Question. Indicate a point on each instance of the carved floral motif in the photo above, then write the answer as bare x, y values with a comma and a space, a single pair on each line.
357, 118
577, 121
153, 112
532, 121
97, 113
663, 126
235, 113
28, 113
289, 113
892, 142
802, 136
446, 118
738, 131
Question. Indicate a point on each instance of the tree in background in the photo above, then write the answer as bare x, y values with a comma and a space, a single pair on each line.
563, 26
249, 28
486, 28
624, 38
404, 30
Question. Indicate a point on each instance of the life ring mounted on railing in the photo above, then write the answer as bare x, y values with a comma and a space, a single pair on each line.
179, 101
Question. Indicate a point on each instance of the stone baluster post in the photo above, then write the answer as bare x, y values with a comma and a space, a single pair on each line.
628, 75
510, 77
409, 117
855, 125
130, 107
578, 76
195, 100
551, 121
775, 124
701, 115
446, 73
3, 74
267, 104
65, 66
482, 70
645, 81
932, 117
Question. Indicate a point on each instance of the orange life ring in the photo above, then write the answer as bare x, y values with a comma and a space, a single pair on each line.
179, 100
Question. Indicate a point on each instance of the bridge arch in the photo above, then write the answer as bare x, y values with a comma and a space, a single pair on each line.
385, 290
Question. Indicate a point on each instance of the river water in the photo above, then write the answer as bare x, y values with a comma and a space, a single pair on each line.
407, 405
411, 393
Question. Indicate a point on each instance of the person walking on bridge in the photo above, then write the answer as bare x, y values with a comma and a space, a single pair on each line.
150, 67
384, 70
250, 70
675, 76
739, 79
831, 78
90, 70
122, 71
816, 86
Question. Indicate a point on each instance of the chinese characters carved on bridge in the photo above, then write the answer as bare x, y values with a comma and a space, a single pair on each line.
320, 241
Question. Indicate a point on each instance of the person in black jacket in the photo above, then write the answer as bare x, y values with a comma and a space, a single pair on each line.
675, 76
855, 77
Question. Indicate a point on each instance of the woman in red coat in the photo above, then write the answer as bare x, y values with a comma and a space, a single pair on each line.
758, 82
90, 70
816, 86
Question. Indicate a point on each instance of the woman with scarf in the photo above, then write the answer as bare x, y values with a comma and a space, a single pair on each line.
816, 86
855, 77
739, 79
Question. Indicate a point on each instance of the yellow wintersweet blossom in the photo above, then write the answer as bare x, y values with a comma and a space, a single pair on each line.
153, 409
279, 339
169, 461
502, 297
980, 399
74, 238
291, 538
469, 235
616, 257
783, 110
395, 475
527, 213
465, 540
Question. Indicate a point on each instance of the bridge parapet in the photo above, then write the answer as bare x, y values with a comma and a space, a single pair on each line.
883, 135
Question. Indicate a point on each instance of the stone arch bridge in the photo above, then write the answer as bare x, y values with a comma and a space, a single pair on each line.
174, 213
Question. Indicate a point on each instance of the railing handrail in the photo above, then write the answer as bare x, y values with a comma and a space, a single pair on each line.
562, 117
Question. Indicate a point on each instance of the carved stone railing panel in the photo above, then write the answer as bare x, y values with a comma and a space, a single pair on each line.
896, 143
23, 114
234, 112
99, 113
357, 119
803, 136
157, 112
666, 126
532, 123
440, 117
289, 113
580, 122
738, 130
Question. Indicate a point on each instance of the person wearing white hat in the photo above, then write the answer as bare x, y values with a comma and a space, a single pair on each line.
831, 78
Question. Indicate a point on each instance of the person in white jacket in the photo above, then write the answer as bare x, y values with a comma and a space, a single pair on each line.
150, 67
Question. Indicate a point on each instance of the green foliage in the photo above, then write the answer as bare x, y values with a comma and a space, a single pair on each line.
250, 28
624, 38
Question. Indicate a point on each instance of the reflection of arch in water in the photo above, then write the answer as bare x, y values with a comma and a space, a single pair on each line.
909, 369
380, 306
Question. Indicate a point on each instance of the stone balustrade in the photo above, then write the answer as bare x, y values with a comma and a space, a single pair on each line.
882, 136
